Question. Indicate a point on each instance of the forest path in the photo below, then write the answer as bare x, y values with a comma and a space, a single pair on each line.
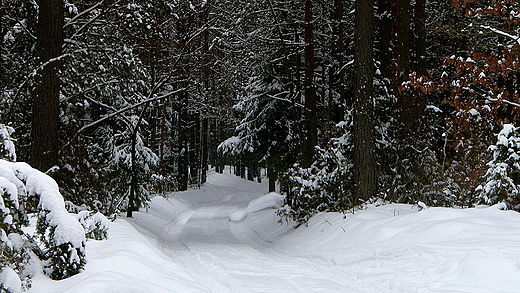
225, 237
194, 229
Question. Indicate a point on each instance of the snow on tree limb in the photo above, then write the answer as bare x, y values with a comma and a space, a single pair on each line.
129, 108
39, 184
7, 150
60, 232
497, 31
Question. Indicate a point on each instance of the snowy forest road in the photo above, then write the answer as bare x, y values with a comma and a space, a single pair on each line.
229, 256
225, 237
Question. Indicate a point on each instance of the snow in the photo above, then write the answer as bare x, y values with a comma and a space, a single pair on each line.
6, 143
271, 200
9, 280
434, 109
473, 112
9, 189
42, 186
504, 134
226, 237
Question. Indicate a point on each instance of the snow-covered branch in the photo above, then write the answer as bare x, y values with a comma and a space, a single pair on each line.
503, 101
84, 12
27, 79
497, 31
130, 108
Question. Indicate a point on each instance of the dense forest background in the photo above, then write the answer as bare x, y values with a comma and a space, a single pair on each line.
341, 102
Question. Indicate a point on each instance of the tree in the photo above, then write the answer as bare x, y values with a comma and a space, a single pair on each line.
501, 181
364, 142
45, 122
60, 248
310, 126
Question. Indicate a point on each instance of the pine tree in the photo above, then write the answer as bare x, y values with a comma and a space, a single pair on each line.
45, 123
364, 141
502, 177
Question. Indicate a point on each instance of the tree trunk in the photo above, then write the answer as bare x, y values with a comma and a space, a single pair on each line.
45, 122
364, 143
384, 36
420, 37
194, 155
309, 123
403, 49
272, 175
204, 163
338, 51
133, 181
182, 163
250, 172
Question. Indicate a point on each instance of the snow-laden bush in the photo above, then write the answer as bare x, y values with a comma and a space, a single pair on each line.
503, 175
10, 281
7, 151
60, 250
95, 224
61, 234
324, 187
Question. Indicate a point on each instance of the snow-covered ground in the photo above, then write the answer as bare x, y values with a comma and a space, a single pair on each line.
225, 237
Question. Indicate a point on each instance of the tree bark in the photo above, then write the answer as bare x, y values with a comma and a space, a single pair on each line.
272, 175
338, 51
364, 143
45, 120
133, 170
194, 154
309, 124
403, 49
204, 150
384, 36
420, 37
182, 163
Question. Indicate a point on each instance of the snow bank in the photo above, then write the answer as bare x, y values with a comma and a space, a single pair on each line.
437, 249
9, 280
271, 200
187, 243
126, 262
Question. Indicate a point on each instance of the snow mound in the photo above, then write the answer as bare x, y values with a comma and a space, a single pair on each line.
9, 280
271, 200
395, 248
126, 262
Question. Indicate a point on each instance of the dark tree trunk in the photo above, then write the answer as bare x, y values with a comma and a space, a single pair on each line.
338, 51
403, 49
45, 122
182, 162
204, 163
364, 143
194, 154
206, 79
251, 173
133, 181
309, 122
384, 36
2, 65
272, 175
420, 37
